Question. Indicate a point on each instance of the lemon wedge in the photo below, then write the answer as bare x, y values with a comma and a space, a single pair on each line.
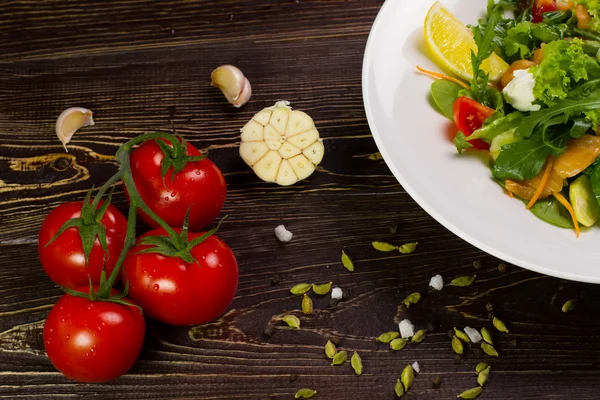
451, 42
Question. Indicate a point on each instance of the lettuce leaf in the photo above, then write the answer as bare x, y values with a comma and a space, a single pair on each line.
522, 39
564, 64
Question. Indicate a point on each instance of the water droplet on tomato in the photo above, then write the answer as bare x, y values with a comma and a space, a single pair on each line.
68, 337
167, 198
173, 194
155, 287
62, 320
89, 306
197, 172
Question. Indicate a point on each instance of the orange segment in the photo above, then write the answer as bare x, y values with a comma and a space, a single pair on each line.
451, 43
527, 189
580, 154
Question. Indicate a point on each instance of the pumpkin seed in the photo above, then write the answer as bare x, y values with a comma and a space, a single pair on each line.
330, 349
408, 248
489, 349
292, 321
569, 305
498, 324
305, 393
398, 344
407, 377
382, 246
470, 393
347, 262
463, 281
457, 345
412, 298
322, 289
300, 288
307, 305
356, 363
388, 336
339, 358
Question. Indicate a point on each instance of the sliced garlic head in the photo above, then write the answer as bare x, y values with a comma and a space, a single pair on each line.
70, 121
281, 145
232, 82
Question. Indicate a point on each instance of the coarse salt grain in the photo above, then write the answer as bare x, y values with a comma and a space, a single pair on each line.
437, 282
336, 293
283, 234
473, 334
407, 329
416, 367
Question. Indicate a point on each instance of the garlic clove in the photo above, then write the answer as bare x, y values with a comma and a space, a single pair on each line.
232, 82
70, 121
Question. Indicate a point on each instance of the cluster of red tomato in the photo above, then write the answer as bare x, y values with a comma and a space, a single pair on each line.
94, 333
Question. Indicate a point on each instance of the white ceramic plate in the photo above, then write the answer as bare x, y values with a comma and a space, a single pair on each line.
457, 191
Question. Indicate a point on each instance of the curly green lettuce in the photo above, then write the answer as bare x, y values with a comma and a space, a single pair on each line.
564, 65
523, 38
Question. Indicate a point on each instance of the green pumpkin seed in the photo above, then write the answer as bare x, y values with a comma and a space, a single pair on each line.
470, 394
388, 336
457, 345
412, 298
356, 363
461, 335
339, 358
408, 248
463, 281
407, 377
322, 289
489, 349
300, 288
382, 246
480, 367
292, 321
307, 305
569, 305
419, 336
487, 335
330, 349
305, 393
482, 377
398, 344
347, 262
399, 388
498, 324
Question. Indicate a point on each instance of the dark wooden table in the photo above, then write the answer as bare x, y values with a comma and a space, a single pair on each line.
144, 65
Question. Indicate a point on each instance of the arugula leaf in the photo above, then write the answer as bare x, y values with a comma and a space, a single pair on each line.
444, 93
460, 141
580, 127
497, 126
521, 160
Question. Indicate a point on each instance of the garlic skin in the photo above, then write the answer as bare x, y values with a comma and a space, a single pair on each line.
232, 82
70, 120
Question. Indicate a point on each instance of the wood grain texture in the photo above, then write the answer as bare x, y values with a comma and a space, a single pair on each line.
143, 66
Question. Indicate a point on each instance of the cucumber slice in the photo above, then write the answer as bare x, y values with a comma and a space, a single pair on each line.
583, 201
502, 139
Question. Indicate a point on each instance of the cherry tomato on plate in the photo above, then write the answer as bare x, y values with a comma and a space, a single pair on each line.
177, 292
540, 7
469, 116
64, 260
93, 341
199, 185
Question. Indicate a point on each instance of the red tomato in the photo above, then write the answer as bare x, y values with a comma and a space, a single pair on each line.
469, 116
200, 185
64, 260
180, 293
93, 341
540, 7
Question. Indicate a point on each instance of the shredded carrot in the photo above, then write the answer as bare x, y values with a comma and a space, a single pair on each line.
565, 203
542, 185
442, 76
510, 194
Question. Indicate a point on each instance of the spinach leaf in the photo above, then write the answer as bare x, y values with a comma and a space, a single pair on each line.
594, 173
444, 93
521, 160
460, 141
551, 211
